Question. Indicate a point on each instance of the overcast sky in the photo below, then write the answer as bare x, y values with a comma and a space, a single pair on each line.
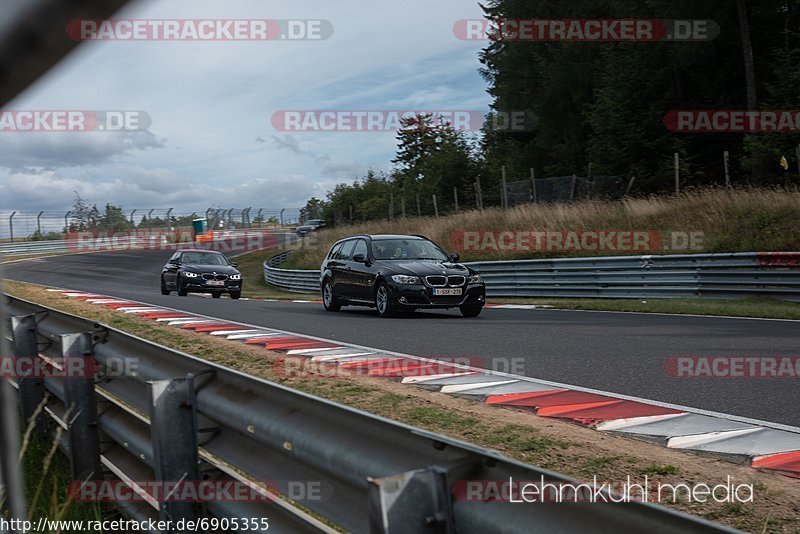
211, 142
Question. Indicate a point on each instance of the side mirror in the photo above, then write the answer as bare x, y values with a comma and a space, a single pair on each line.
454, 258
174, 262
234, 264
360, 258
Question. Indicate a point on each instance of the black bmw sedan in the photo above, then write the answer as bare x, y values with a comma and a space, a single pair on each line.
398, 273
201, 271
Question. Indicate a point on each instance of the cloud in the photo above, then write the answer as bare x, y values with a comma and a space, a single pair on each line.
345, 170
218, 110
139, 188
67, 149
289, 142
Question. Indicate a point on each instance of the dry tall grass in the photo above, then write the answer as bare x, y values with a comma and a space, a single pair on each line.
764, 220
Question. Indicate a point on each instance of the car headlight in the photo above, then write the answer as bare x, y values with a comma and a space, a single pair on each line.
475, 279
403, 279
236, 277
188, 274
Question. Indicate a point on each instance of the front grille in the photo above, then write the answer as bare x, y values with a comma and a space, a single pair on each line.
220, 277
456, 280
436, 281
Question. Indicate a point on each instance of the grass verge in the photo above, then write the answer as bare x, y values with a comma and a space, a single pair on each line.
731, 220
760, 308
251, 265
575, 451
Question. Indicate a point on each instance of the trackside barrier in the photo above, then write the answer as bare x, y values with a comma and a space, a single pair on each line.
376, 475
722, 276
134, 242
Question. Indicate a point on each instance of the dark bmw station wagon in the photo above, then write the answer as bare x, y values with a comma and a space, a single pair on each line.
398, 273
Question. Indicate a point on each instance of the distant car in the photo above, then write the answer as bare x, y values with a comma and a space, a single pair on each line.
201, 271
398, 273
311, 225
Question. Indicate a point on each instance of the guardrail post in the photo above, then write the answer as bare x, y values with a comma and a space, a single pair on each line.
66, 223
10, 471
31, 390
173, 427
81, 406
415, 501
11, 226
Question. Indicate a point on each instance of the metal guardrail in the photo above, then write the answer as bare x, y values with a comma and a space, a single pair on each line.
292, 280
29, 248
375, 475
144, 241
736, 275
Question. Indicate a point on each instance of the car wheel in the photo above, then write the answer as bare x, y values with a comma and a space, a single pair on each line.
470, 311
383, 301
328, 299
164, 290
216, 295
235, 295
182, 291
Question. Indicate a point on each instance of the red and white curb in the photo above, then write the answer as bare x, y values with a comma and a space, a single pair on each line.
763, 445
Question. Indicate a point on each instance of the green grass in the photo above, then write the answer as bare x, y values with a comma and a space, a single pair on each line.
731, 220
518, 437
47, 480
251, 266
662, 470
763, 308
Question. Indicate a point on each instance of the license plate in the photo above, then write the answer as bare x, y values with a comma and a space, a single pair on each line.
215, 283
447, 292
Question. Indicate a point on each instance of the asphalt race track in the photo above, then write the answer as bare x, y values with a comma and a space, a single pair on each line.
619, 353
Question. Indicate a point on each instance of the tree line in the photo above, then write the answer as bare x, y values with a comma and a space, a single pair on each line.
600, 109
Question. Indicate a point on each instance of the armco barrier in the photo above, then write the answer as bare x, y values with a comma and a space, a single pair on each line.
375, 475
134, 242
737, 275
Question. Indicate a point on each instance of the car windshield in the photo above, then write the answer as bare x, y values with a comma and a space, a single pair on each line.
406, 249
204, 258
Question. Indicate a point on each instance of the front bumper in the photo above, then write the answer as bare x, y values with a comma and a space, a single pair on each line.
421, 296
193, 285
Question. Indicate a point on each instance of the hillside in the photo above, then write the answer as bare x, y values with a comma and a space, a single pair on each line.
764, 220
